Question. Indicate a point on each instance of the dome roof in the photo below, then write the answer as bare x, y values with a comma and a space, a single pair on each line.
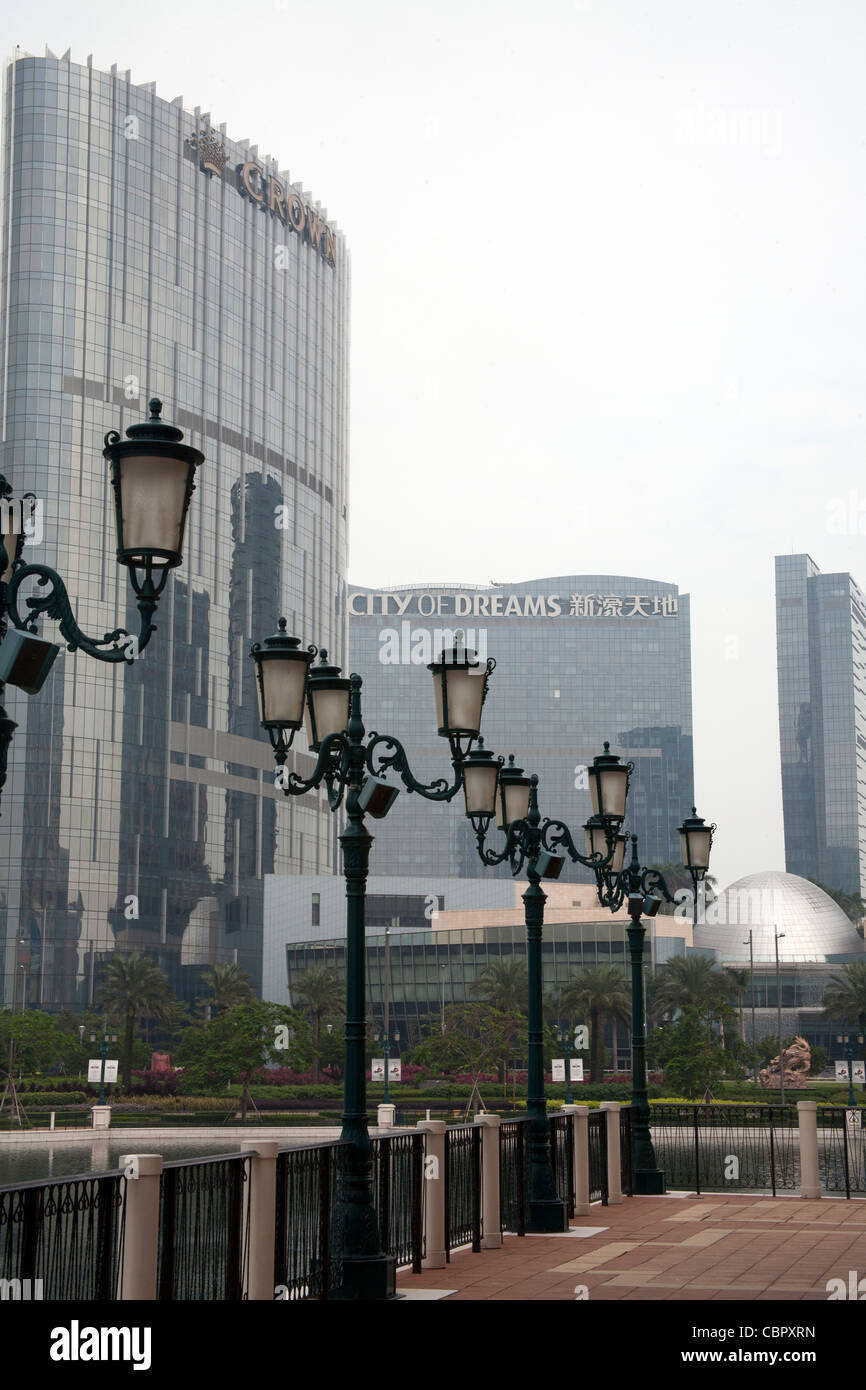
814, 926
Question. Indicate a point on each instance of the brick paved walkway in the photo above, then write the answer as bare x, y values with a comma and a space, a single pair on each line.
669, 1248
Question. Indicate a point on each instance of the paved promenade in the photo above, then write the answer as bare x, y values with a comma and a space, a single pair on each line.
674, 1247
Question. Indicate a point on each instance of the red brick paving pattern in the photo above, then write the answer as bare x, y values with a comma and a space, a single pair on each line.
712, 1248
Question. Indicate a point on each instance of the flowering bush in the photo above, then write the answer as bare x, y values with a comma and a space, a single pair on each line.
155, 1083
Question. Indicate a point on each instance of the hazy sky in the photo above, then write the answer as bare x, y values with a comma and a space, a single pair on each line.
608, 298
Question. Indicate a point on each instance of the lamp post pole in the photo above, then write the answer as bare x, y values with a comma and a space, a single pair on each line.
751, 945
350, 767
565, 1037
515, 802
639, 887
849, 1057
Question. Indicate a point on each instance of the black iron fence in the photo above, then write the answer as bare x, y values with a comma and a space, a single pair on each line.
597, 1127
398, 1193
462, 1187
513, 1174
717, 1148
842, 1149
201, 1228
63, 1239
306, 1257
562, 1159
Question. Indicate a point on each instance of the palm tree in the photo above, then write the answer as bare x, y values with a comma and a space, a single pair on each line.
321, 993
692, 982
599, 993
230, 986
133, 986
845, 996
504, 984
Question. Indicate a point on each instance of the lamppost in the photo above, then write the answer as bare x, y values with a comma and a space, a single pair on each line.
693, 832
350, 768
751, 945
103, 1053
639, 887
849, 1041
512, 798
153, 476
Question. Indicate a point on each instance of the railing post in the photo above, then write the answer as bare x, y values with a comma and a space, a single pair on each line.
434, 1192
259, 1220
807, 1130
490, 1224
385, 1116
614, 1160
581, 1159
141, 1232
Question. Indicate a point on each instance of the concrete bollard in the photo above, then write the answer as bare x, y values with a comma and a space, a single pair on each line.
434, 1193
385, 1116
581, 1160
260, 1209
807, 1121
491, 1219
141, 1236
100, 1116
614, 1160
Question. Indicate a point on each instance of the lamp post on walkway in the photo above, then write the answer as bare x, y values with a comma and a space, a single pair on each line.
513, 799
849, 1041
639, 887
350, 767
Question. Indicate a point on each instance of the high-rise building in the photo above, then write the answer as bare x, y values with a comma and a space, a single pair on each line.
821, 646
147, 254
580, 659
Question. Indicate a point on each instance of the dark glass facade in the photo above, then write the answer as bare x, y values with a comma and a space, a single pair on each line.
149, 254
580, 659
821, 647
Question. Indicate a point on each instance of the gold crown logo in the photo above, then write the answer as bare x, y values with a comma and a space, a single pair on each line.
211, 152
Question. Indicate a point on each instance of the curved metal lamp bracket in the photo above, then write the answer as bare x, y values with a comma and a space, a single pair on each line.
379, 759
119, 645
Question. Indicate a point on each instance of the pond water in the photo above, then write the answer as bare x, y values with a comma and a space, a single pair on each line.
56, 1160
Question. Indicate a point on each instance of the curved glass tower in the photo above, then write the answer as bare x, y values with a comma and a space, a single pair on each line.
146, 253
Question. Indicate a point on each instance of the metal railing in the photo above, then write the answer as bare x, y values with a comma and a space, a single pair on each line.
717, 1148
462, 1178
597, 1130
306, 1260
201, 1228
626, 1150
562, 1159
842, 1149
398, 1194
64, 1237
513, 1174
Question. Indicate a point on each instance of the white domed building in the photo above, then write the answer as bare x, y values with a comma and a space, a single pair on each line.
815, 938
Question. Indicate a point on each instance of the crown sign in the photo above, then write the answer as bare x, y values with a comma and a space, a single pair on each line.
211, 152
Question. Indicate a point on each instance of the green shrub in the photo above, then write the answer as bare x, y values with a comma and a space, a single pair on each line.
49, 1100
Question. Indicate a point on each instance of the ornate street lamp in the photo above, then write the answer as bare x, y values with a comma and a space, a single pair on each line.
153, 476
696, 841
642, 889
528, 843
849, 1039
351, 769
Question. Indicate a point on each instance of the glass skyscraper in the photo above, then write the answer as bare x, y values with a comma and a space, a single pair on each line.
580, 659
821, 646
147, 254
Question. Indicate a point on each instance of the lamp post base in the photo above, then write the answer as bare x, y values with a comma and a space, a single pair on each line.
546, 1216
649, 1182
372, 1278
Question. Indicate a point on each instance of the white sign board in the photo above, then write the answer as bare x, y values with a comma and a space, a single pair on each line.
853, 1119
858, 1070
94, 1069
377, 1069
557, 1069
394, 1069
577, 1068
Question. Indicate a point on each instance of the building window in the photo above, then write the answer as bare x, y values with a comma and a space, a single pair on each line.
315, 919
